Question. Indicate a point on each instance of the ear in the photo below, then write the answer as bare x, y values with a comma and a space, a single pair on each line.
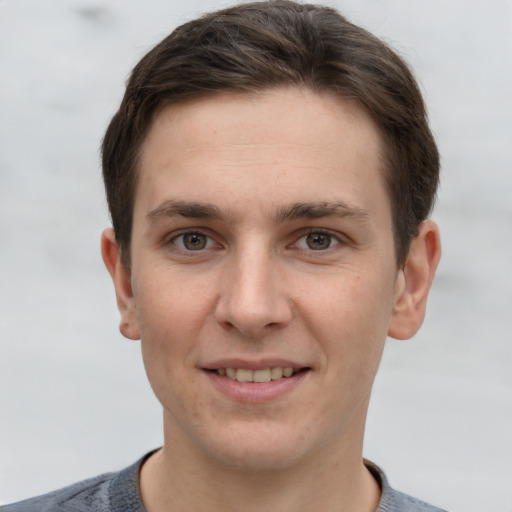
122, 283
414, 281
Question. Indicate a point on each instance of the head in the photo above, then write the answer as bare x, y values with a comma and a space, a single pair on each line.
270, 45
268, 174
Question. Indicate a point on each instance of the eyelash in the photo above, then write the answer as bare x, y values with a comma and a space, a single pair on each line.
210, 242
334, 241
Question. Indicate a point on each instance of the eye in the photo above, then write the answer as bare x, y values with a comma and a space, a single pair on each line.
193, 241
317, 241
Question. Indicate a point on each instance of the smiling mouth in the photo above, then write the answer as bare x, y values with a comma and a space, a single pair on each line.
260, 376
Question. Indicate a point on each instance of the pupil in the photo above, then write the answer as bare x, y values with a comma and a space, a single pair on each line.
194, 241
317, 241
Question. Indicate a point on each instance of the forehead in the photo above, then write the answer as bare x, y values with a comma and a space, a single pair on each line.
231, 144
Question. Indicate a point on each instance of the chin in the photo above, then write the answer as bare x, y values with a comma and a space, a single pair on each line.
262, 460
258, 449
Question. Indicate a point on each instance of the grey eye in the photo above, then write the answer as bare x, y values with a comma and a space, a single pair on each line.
192, 241
318, 241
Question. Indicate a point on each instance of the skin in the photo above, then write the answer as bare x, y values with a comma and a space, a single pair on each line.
259, 279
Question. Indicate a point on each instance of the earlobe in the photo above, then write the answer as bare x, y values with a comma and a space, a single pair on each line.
414, 281
122, 283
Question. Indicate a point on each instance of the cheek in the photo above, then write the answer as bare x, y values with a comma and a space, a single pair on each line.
168, 320
351, 320
169, 304
173, 310
167, 334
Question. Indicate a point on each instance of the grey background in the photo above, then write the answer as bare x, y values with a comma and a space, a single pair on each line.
74, 399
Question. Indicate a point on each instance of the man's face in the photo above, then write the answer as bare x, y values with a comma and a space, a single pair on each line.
262, 242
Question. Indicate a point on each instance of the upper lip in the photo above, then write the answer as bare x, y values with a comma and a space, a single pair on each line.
259, 364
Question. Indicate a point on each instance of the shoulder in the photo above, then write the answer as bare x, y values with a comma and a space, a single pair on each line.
409, 504
90, 494
110, 492
396, 501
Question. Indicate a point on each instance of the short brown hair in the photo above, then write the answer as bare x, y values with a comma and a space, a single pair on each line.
264, 45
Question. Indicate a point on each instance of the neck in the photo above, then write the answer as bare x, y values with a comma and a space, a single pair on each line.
174, 480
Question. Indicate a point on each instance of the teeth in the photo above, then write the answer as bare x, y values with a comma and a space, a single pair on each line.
243, 375
261, 376
246, 375
276, 373
287, 372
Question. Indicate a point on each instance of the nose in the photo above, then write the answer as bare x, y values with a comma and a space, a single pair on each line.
253, 298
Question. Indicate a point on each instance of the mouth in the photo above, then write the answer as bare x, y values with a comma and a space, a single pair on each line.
258, 376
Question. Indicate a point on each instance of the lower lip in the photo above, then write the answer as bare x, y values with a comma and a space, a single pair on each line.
255, 392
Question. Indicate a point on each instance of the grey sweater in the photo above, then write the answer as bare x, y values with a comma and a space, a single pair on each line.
119, 492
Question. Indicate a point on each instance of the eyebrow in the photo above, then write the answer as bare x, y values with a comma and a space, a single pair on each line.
317, 210
190, 209
295, 211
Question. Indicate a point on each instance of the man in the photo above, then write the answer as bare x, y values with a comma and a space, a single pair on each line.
269, 174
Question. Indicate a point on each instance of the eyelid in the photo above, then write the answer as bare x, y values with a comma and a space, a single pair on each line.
170, 239
337, 237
